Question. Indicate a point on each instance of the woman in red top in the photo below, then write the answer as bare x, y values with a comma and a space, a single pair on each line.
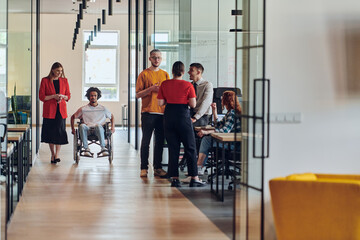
54, 92
178, 95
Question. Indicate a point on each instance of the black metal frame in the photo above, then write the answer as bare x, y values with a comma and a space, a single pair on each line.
129, 69
137, 62
37, 75
264, 119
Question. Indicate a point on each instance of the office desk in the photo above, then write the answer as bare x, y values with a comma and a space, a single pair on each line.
7, 160
225, 139
207, 127
17, 166
25, 129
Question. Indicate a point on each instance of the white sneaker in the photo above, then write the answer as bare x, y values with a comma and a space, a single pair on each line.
186, 180
104, 152
87, 152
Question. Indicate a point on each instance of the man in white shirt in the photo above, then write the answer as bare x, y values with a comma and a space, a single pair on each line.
93, 117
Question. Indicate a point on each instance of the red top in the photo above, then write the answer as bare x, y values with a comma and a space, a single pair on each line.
47, 88
176, 91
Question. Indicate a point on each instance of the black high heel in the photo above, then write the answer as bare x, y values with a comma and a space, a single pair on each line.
175, 183
57, 160
53, 161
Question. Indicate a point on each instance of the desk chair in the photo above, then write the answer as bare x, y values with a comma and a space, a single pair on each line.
218, 92
232, 164
3, 160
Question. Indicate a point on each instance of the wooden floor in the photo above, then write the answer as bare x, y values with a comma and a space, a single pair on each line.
95, 200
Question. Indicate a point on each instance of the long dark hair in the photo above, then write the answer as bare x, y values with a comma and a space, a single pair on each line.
55, 66
178, 69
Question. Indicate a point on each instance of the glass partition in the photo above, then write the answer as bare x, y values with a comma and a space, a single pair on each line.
184, 32
19, 62
166, 35
19, 96
3, 115
227, 38
132, 70
250, 75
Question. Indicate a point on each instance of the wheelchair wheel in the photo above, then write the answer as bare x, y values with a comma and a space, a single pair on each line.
75, 142
77, 158
76, 147
111, 150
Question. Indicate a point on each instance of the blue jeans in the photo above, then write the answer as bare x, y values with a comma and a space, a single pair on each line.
206, 144
98, 130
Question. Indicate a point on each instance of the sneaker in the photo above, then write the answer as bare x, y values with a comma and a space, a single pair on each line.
196, 183
143, 173
160, 173
186, 180
104, 152
87, 153
175, 183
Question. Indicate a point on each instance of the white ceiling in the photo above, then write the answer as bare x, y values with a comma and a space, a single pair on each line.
67, 6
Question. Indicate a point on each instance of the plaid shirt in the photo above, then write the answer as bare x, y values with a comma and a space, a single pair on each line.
227, 123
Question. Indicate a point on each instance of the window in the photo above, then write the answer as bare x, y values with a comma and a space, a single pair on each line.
101, 64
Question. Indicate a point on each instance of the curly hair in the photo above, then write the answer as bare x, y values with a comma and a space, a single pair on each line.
230, 101
93, 89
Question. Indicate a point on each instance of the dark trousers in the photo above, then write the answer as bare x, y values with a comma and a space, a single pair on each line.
179, 128
152, 123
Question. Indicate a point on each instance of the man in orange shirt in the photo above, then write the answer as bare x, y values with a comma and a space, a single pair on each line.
147, 87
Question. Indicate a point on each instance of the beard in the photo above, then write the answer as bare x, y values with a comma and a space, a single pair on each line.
154, 65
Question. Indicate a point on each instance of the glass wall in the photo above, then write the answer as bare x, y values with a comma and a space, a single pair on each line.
227, 38
132, 70
3, 113
250, 66
19, 85
19, 61
184, 32
138, 59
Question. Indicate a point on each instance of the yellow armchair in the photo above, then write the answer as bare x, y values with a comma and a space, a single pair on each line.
316, 206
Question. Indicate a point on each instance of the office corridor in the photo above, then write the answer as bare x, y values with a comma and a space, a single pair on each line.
95, 200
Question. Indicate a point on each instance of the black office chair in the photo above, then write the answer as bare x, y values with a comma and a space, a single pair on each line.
232, 164
218, 92
3, 160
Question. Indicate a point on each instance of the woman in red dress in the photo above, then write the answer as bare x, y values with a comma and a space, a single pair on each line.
54, 92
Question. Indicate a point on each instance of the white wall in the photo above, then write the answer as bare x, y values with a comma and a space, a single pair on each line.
305, 60
56, 41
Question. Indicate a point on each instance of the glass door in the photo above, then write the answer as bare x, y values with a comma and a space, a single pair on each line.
250, 72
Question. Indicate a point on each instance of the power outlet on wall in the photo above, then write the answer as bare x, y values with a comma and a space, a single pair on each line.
286, 117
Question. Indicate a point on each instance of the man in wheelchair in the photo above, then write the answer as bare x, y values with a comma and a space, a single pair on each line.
93, 116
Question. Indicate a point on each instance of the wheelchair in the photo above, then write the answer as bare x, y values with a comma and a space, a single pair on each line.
93, 139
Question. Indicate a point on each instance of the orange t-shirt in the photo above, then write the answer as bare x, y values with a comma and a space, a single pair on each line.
146, 79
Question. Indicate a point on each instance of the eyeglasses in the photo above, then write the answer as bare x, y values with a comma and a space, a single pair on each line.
156, 58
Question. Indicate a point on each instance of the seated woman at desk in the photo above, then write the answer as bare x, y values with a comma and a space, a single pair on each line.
227, 124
